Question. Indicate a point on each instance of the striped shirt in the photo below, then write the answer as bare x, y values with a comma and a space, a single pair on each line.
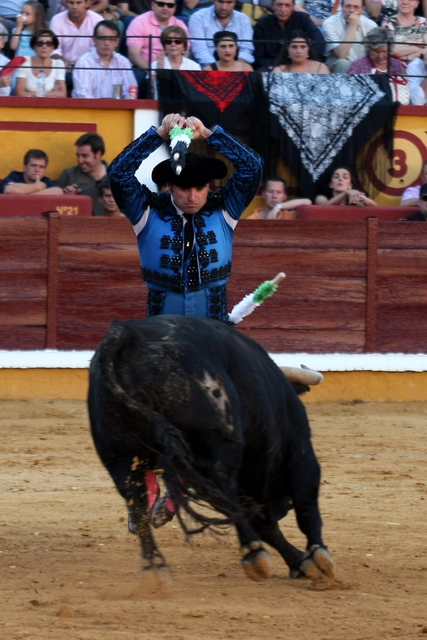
92, 79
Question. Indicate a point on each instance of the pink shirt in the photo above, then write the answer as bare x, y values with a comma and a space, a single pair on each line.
73, 47
145, 25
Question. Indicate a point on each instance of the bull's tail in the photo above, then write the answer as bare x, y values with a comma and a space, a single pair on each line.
141, 428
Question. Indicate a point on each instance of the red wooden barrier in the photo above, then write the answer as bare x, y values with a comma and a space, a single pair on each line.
35, 206
351, 286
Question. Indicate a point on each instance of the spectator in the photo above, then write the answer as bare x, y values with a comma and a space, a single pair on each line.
417, 79
378, 47
222, 15
6, 81
133, 8
96, 72
74, 28
345, 33
109, 12
421, 215
175, 42
408, 29
9, 9
343, 193
189, 7
91, 169
411, 195
143, 50
273, 30
226, 53
43, 42
276, 206
32, 180
298, 56
109, 205
318, 10
32, 19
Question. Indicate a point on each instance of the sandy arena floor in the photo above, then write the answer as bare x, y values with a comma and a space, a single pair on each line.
70, 569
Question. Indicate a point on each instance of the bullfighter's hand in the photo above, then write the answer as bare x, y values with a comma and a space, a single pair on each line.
169, 122
198, 128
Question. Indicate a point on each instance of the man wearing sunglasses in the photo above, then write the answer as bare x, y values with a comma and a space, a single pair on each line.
421, 216
143, 49
185, 235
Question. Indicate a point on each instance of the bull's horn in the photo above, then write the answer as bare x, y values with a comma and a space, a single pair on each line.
303, 375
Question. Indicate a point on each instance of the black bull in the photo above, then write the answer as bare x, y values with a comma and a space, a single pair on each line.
208, 407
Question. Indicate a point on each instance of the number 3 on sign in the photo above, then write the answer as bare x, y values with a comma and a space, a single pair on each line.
399, 168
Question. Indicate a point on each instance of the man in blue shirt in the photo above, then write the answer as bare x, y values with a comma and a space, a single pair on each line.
32, 180
185, 235
221, 16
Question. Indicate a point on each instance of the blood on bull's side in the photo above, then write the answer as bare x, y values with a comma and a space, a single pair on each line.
198, 400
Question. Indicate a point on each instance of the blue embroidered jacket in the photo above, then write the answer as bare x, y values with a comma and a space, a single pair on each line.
158, 224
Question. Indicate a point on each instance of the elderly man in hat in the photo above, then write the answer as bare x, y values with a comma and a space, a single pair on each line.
185, 235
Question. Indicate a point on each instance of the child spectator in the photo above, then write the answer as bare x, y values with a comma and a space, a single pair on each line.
31, 19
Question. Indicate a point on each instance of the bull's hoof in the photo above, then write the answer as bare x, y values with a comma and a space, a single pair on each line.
318, 563
256, 565
160, 514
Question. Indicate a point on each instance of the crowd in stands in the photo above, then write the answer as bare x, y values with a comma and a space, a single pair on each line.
89, 178
101, 49
97, 49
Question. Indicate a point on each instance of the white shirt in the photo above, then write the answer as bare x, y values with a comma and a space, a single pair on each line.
417, 72
92, 80
334, 29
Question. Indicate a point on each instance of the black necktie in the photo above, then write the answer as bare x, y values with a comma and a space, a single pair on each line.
188, 234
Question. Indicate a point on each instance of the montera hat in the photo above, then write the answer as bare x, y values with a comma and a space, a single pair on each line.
198, 171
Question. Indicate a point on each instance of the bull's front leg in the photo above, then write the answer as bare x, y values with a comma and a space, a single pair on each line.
138, 493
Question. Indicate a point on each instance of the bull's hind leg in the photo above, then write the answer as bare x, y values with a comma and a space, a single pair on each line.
270, 533
305, 492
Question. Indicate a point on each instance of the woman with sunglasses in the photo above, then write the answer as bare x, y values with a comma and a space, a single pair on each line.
44, 42
174, 41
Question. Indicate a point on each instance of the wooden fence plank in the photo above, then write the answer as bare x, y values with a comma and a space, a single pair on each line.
288, 341
16, 285
22, 337
19, 230
99, 257
307, 234
73, 230
19, 312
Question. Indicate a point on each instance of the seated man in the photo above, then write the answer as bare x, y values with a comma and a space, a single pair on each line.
111, 210
421, 215
219, 17
344, 34
276, 207
32, 180
74, 28
96, 72
85, 177
185, 235
411, 195
273, 30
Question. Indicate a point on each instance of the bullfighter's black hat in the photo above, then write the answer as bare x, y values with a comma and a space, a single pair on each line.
198, 171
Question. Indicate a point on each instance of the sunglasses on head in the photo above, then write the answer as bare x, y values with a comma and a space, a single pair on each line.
173, 41
169, 5
44, 43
